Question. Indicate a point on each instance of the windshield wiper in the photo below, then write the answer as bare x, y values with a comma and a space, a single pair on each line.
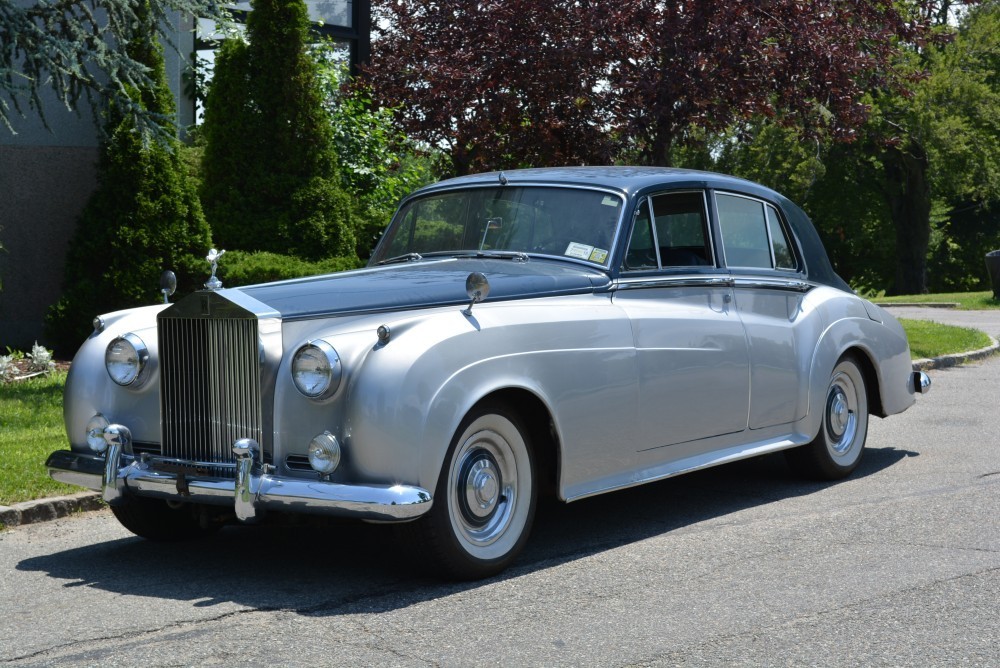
517, 256
408, 257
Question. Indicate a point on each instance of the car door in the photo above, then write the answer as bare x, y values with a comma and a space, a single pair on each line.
769, 289
691, 348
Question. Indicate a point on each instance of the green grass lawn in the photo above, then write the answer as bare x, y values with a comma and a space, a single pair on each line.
31, 427
930, 339
973, 301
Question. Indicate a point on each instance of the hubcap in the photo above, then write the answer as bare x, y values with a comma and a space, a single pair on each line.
484, 489
841, 417
482, 482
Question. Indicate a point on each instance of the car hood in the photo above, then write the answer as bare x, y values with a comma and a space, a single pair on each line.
421, 284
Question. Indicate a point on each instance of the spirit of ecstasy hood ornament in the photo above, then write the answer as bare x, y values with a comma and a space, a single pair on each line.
213, 257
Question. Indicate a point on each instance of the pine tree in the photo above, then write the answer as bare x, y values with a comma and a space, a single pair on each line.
143, 218
270, 180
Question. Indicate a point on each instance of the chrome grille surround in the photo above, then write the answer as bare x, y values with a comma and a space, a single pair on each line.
211, 381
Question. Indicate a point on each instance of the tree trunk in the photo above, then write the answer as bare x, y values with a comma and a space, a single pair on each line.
908, 196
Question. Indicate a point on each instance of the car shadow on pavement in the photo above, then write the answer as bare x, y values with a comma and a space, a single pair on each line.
335, 568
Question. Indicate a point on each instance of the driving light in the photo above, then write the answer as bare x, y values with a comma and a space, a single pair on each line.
95, 433
125, 358
324, 453
316, 370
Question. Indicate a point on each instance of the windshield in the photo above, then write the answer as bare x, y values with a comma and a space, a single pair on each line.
566, 222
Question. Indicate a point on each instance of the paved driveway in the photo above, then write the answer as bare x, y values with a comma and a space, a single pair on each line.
742, 565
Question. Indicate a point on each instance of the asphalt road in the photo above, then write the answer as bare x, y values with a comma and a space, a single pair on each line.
740, 565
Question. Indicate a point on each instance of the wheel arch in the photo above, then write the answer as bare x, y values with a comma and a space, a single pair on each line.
847, 336
537, 419
873, 384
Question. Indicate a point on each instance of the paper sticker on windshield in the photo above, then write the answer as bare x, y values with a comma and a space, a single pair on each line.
610, 201
581, 251
599, 255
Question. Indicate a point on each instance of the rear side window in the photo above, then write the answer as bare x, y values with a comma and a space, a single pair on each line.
670, 230
752, 234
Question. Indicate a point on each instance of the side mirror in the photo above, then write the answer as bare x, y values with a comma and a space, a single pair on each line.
168, 285
477, 286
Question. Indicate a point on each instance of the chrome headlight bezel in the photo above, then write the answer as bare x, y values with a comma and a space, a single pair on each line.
316, 370
125, 360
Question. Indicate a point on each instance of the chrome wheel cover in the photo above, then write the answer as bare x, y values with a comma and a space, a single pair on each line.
489, 479
845, 419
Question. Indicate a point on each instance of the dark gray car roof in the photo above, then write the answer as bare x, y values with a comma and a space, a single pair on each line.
635, 180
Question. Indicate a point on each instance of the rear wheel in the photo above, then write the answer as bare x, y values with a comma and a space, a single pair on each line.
153, 519
484, 503
836, 451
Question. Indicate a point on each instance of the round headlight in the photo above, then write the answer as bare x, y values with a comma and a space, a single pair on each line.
316, 370
324, 453
95, 433
125, 358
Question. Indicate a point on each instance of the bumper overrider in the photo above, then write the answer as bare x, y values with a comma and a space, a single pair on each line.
118, 473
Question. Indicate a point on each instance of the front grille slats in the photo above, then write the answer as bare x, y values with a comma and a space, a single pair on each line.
210, 390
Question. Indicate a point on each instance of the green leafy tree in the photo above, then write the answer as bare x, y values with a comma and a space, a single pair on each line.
936, 149
270, 171
962, 99
76, 48
143, 218
379, 164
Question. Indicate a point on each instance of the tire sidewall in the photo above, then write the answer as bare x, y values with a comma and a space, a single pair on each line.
842, 463
469, 559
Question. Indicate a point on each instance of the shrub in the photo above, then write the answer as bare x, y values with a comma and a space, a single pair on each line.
242, 268
270, 179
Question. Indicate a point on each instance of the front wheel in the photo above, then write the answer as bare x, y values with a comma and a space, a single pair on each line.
484, 503
836, 450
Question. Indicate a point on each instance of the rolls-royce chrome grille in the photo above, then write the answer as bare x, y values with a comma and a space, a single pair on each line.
210, 387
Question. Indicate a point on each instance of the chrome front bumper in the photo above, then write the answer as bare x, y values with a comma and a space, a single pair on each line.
118, 474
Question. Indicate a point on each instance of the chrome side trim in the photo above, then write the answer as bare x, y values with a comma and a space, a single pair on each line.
685, 281
386, 503
792, 285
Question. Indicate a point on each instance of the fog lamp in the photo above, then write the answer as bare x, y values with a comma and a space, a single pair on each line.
95, 433
324, 453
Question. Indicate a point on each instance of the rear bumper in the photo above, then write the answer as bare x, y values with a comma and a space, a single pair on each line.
118, 475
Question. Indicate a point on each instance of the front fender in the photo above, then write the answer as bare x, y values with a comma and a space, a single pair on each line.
410, 395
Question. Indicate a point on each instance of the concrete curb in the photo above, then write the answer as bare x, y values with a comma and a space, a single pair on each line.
955, 359
919, 304
41, 510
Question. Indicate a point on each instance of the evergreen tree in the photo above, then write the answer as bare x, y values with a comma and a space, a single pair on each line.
270, 179
143, 218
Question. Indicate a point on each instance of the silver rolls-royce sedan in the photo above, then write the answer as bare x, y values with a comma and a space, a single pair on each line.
579, 330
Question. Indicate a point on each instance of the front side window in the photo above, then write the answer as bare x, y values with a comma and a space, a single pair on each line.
752, 234
565, 222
